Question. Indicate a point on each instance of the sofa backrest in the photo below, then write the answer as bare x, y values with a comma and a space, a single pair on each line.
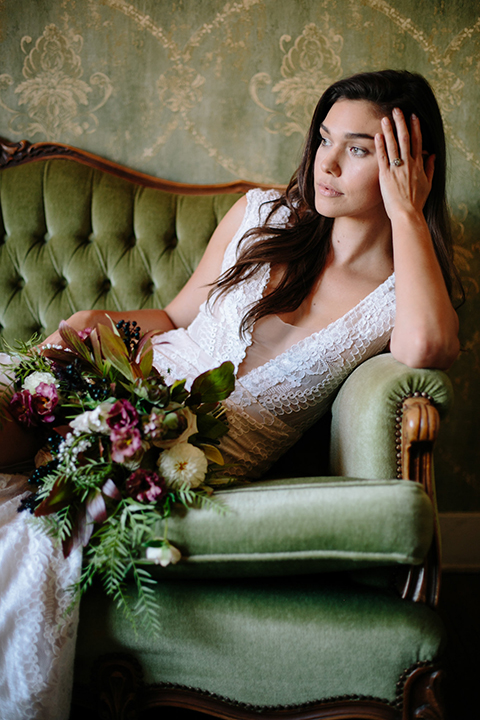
73, 236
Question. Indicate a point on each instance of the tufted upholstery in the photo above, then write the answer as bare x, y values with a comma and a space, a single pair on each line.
74, 238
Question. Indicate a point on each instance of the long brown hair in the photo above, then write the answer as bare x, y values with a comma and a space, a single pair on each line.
302, 246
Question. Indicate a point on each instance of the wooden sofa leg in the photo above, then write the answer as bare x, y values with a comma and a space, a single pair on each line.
423, 694
117, 679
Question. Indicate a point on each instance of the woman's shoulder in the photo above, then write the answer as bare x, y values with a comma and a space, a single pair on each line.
259, 204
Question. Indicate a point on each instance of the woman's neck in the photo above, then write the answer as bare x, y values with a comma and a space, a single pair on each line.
357, 243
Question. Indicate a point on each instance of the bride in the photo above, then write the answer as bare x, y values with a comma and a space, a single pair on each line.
296, 289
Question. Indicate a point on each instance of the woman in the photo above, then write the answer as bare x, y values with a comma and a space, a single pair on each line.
306, 289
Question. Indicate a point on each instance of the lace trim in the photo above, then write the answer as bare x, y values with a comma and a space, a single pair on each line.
37, 634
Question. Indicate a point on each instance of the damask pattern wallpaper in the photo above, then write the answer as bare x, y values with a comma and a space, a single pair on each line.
211, 91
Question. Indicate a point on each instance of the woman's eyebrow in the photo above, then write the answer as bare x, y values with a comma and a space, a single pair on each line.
350, 135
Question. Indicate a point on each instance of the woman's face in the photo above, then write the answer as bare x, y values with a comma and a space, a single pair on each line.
346, 167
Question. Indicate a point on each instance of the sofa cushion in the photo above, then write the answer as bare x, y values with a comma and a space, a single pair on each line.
268, 641
303, 525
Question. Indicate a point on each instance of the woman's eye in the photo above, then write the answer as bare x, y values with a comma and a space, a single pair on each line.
358, 152
324, 141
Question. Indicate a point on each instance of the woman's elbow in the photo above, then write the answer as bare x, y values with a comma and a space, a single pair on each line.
424, 351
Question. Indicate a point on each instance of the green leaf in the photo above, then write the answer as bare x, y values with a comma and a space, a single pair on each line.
114, 350
72, 340
146, 362
213, 454
178, 393
211, 427
97, 352
215, 385
59, 497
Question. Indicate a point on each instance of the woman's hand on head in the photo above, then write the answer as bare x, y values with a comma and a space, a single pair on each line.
404, 185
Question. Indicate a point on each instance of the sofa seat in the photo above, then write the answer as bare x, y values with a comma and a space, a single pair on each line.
249, 642
301, 525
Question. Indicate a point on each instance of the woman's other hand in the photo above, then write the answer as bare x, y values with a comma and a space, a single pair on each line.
79, 321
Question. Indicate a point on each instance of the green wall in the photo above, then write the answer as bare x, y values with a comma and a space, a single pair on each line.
208, 91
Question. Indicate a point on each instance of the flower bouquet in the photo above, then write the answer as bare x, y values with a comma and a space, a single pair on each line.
121, 449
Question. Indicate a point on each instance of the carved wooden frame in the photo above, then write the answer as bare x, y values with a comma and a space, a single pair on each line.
419, 423
119, 693
19, 153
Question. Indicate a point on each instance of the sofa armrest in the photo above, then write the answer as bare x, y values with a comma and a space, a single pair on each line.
385, 421
367, 415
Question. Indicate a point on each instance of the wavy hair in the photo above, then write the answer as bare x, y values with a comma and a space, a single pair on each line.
302, 246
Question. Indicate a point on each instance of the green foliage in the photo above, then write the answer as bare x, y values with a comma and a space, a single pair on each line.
103, 488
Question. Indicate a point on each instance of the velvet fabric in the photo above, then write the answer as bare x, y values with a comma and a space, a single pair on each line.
303, 525
270, 641
74, 238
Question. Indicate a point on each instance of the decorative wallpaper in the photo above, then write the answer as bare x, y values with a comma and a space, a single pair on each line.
211, 91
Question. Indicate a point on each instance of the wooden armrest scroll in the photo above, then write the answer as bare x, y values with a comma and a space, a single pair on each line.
420, 425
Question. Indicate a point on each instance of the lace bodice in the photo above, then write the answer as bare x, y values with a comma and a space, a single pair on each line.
275, 402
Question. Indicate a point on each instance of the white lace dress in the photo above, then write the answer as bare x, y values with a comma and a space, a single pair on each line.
275, 400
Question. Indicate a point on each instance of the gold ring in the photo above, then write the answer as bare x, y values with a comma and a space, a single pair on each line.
397, 162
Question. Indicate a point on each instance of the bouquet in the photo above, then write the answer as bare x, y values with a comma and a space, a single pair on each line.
121, 450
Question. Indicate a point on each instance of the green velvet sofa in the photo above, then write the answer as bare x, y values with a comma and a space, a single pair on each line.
314, 597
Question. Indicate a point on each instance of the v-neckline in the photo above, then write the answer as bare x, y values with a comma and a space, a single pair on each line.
315, 333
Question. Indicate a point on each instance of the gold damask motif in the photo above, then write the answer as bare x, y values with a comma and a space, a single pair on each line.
180, 87
53, 91
308, 68
448, 86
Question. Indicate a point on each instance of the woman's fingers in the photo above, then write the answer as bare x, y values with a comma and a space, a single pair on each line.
403, 134
390, 142
416, 137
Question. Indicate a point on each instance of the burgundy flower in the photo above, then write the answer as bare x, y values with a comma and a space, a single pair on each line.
145, 486
122, 416
44, 401
125, 443
21, 408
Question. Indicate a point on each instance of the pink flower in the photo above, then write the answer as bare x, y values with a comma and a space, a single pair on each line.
145, 486
84, 334
21, 408
45, 401
122, 416
125, 443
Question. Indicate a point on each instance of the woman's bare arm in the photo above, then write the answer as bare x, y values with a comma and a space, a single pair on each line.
426, 325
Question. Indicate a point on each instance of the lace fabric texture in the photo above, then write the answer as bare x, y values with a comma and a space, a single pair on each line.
37, 629
276, 401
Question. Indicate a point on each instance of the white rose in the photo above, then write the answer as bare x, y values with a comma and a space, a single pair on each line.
33, 381
163, 555
183, 463
93, 420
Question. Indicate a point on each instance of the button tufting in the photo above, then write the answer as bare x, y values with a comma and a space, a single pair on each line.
62, 283
150, 288
107, 285
20, 284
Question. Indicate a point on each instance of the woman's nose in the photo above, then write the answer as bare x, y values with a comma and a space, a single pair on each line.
329, 163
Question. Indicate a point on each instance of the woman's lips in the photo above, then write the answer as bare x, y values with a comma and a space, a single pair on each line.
328, 191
